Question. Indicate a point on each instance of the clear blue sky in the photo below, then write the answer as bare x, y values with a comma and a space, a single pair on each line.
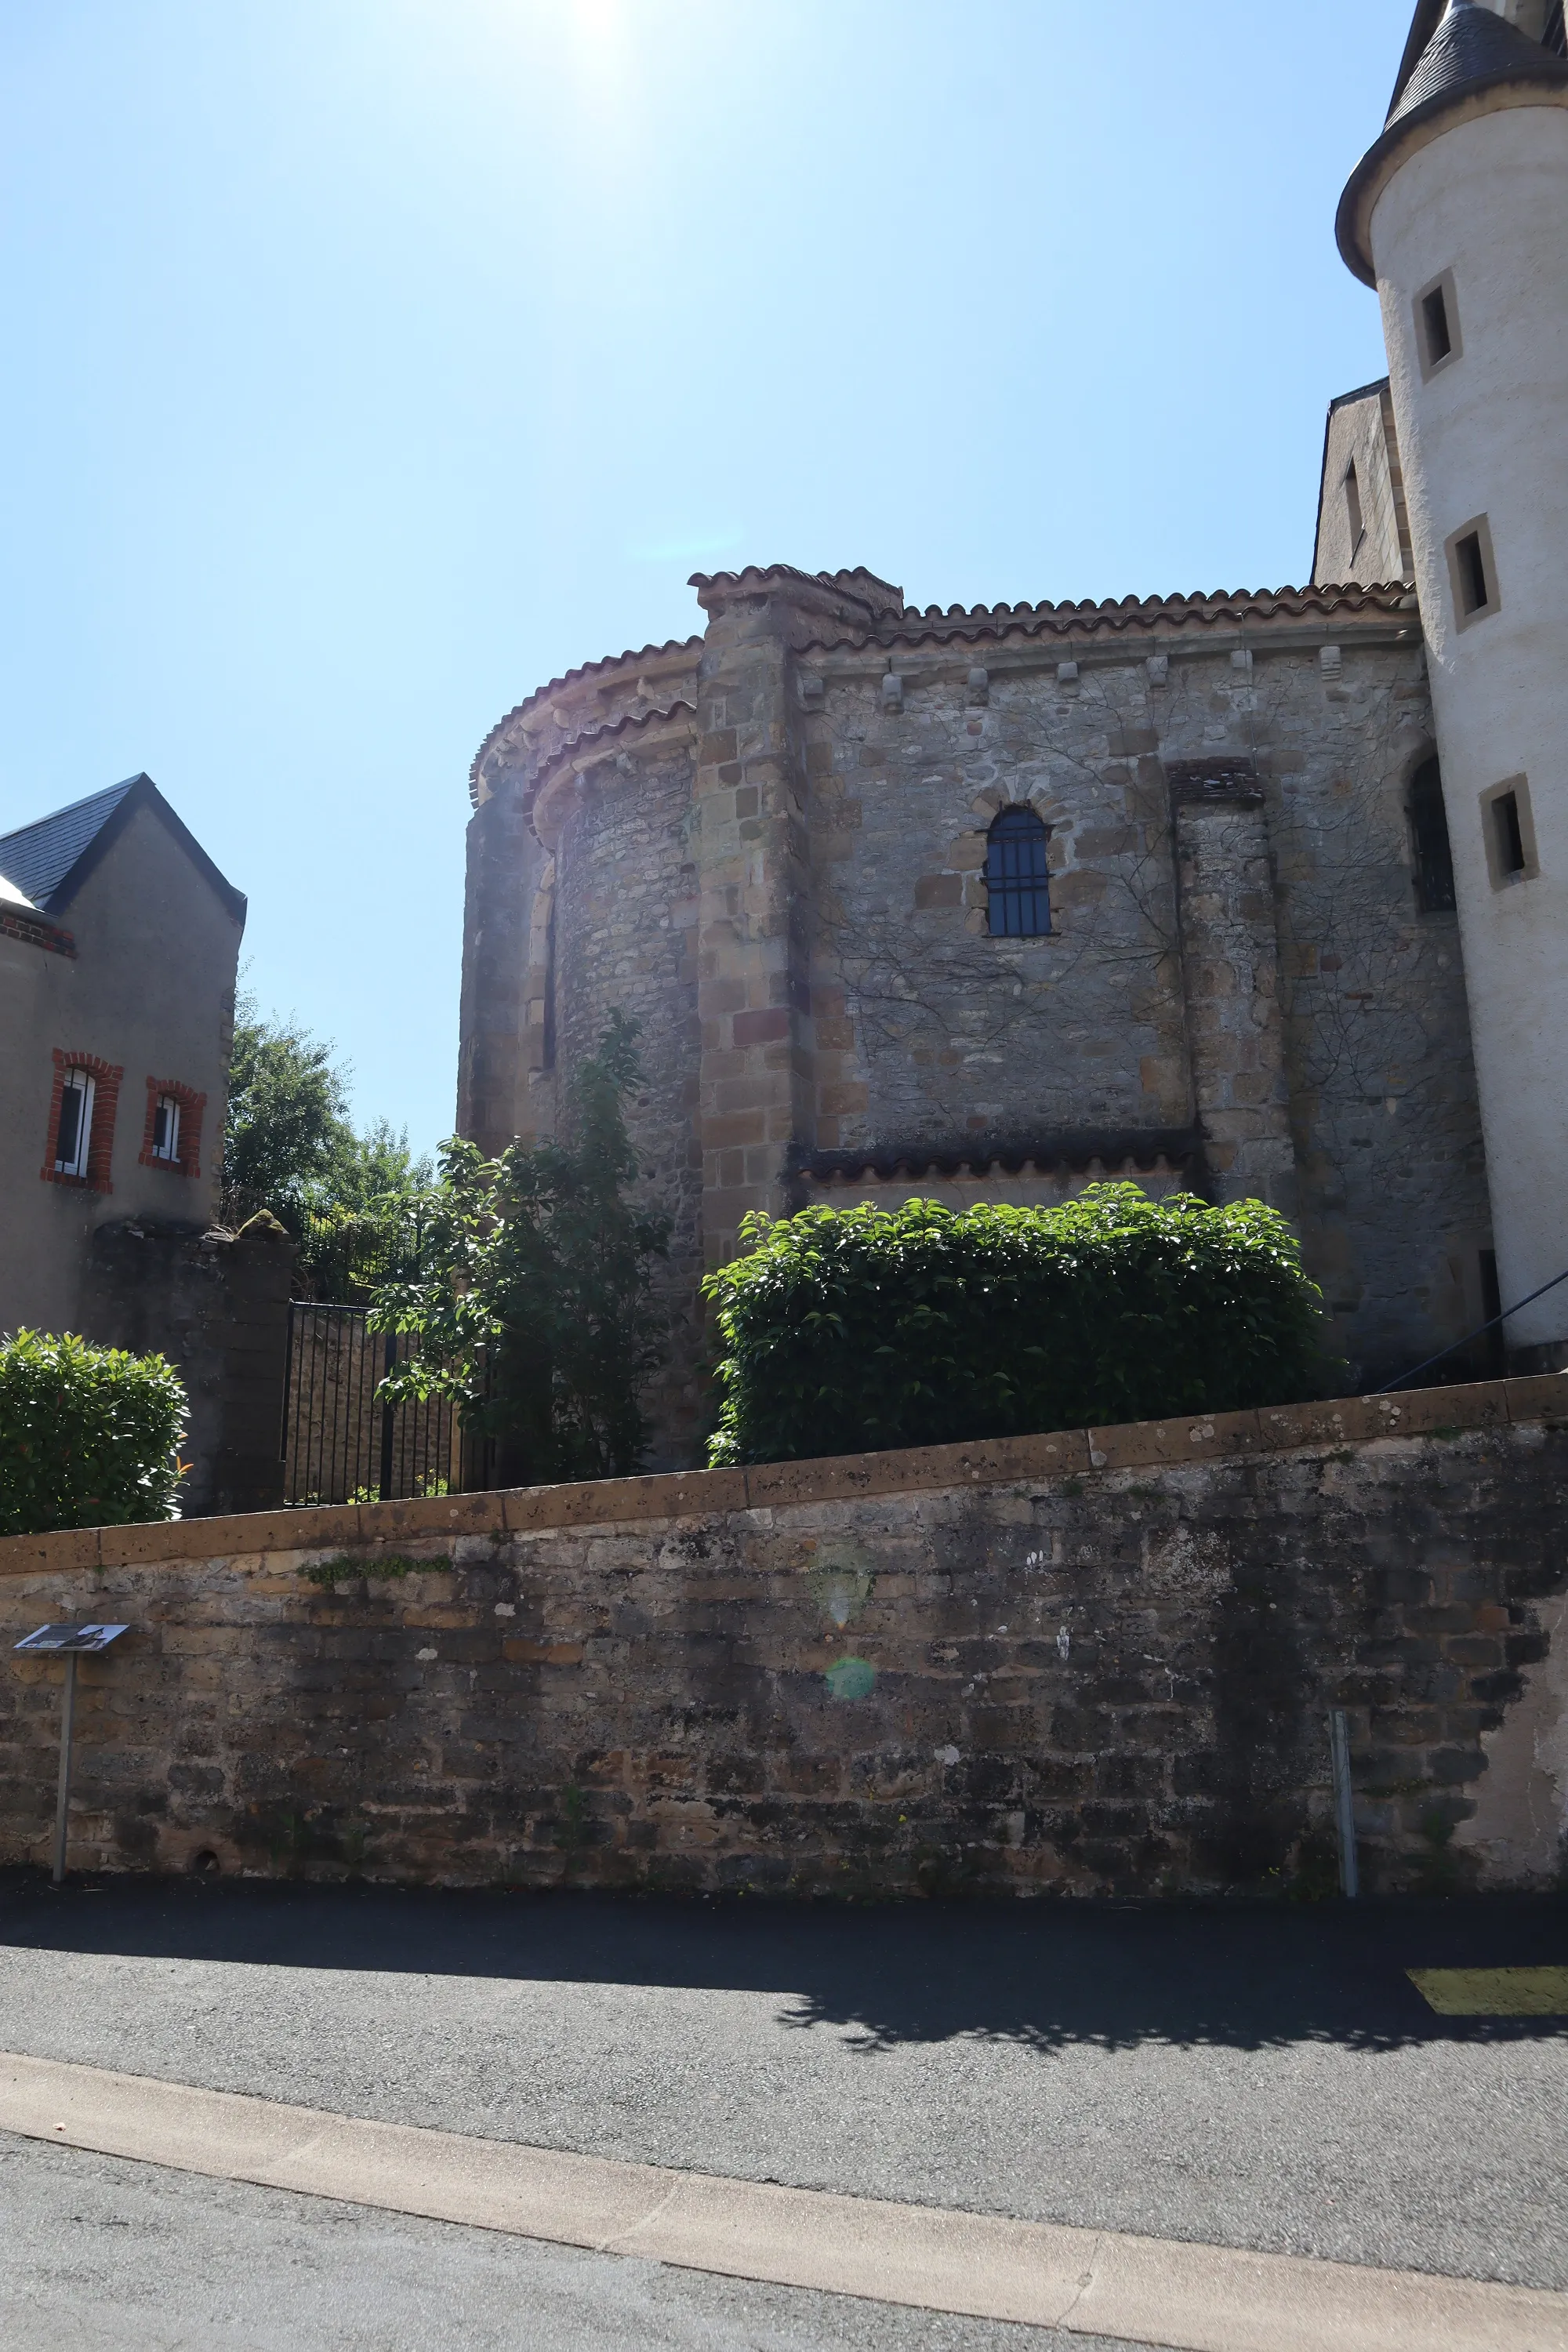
371, 361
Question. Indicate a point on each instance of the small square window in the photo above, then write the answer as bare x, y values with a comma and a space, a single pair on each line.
73, 1136
1437, 324
166, 1128
1508, 829
171, 1138
1472, 572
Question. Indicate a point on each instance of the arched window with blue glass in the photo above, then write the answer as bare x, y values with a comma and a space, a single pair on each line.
1019, 902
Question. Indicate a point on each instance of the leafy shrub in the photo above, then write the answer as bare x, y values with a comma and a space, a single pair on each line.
533, 1305
88, 1435
852, 1330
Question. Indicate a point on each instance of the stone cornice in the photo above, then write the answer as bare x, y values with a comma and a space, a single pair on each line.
651, 733
534, 716
559, 719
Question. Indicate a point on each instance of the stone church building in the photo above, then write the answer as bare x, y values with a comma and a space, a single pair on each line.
989, 904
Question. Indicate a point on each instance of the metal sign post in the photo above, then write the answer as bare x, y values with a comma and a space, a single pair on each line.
1345, 1802
71, 1641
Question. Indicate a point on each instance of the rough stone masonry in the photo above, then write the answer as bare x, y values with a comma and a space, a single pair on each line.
1094, 1662
768, 845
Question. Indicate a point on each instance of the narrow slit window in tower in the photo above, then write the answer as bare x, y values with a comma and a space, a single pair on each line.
1435, 321
1437, 337
1474, 588
1352, 510
1510, 855
1429, 839
1017, 888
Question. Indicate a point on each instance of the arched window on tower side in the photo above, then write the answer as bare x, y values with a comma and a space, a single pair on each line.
1429, 840
1017, 888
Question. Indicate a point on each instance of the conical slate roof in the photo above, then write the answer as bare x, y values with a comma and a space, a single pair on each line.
1471, 45
1472, 50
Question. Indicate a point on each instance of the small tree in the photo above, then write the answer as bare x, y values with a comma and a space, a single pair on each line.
361, 1225
88, 1435
287, 1116
534, 1309
290, 1148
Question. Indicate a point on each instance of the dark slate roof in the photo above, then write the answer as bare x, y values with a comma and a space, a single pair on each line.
37, 858
1472, 50
50, 860
1423, 25
1471, 45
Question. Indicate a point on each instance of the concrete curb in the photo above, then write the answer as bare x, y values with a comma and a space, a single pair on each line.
1154, 2291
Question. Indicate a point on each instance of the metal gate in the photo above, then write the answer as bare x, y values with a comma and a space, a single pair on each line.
341, 1445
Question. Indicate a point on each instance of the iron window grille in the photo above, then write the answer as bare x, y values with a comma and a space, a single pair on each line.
1018, 905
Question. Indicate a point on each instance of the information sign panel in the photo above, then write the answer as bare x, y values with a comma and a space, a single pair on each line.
81, 1639
70, 1642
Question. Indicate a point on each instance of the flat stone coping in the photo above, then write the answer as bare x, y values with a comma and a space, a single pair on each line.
1095, 2283
698, 1493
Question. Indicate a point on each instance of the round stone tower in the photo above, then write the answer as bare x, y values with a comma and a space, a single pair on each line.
1457, 216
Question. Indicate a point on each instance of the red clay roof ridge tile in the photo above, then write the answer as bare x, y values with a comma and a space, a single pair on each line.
607, 661
862, 587
1205, 608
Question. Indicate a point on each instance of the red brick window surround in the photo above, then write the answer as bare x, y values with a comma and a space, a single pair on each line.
183, 1107
106, 1078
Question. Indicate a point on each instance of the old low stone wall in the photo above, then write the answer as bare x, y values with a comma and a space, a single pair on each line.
1089, 1663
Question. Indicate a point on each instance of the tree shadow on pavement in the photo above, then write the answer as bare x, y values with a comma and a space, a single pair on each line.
1045, 1975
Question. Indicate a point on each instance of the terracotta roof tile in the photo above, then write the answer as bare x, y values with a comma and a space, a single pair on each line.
879, 596
1213, 608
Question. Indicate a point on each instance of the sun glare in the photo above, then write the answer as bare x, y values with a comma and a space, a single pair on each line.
600, 40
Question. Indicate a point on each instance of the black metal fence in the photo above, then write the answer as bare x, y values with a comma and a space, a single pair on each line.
340, 1445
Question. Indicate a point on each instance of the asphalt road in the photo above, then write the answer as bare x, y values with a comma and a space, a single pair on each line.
101, 2256
1265, 2079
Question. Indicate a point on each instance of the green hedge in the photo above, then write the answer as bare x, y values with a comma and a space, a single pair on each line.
88, 1435
852, 1330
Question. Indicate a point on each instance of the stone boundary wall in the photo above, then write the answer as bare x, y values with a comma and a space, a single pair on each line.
1095, 1662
